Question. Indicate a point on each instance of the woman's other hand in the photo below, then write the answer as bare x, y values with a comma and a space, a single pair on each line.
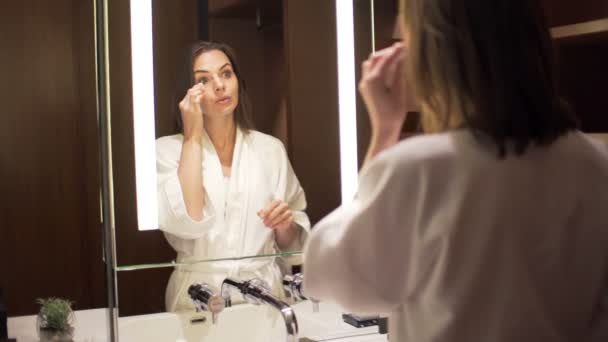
192, 113
277, 216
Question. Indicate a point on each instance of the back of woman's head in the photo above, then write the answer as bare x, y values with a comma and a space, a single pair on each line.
486, 65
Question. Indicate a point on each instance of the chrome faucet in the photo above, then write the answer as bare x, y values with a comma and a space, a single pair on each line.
256, 291
205, 299
294, 285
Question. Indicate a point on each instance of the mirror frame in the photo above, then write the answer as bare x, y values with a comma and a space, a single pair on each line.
102, 73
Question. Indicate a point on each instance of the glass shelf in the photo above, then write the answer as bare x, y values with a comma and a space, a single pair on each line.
174, 263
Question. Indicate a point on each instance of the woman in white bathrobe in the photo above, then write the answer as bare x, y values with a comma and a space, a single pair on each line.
491, 227
224, 189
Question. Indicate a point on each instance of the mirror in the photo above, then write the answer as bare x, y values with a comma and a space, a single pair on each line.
292, 79
144, 268
271, 163
293, 83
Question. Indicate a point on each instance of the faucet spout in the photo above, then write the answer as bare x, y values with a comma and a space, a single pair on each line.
225, 290
256, 291
289, 316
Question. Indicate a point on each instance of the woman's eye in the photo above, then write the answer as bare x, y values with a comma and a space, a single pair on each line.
203, 80
227, 74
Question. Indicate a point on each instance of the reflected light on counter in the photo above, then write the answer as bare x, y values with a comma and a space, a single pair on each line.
143, 114
347, 99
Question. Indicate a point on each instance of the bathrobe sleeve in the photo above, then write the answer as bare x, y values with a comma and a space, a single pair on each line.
359, 256
173, 217
290, 191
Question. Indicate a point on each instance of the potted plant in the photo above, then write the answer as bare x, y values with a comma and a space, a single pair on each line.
55, 320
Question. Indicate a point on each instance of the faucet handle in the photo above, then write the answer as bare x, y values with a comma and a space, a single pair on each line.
254, 289
205, 299
293, 285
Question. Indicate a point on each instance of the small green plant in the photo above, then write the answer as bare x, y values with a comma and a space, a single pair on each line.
55, 313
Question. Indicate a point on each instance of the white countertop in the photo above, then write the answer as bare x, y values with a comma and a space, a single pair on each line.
91, 326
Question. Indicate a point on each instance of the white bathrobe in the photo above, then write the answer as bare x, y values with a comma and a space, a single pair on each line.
230, 227
455, 245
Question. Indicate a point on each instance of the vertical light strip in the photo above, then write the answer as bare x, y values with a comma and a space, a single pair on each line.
143, 113
347, 98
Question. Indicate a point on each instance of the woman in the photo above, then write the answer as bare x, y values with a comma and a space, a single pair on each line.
491, 227
224, 189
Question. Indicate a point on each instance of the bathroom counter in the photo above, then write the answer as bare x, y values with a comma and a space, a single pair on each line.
91, 326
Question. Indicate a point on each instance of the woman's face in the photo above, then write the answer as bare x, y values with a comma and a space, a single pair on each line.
214, 71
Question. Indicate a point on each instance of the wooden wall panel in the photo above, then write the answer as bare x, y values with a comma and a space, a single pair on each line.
314, 147
385, 14
567, 12
175, 27
50, 235
363, 48
275, 84
143, 291
583, 78
244, 9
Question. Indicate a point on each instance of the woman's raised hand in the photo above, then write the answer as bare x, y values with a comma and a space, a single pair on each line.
192, 112
384, 90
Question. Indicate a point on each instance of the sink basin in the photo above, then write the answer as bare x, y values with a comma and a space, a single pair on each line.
154, 327
327, 324
244, 322
238, 323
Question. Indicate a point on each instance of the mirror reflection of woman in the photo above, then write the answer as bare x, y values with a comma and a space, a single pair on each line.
493, 225
225, 190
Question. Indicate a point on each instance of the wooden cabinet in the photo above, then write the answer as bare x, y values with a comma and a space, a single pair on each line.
567, 12
580, 36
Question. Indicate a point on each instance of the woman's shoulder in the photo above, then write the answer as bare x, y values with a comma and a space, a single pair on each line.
170, 139
423, 154
590, 149
169, 144
265, 142
596, 143
425, 148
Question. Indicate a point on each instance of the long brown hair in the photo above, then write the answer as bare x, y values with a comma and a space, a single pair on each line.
486, 65
185, 80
